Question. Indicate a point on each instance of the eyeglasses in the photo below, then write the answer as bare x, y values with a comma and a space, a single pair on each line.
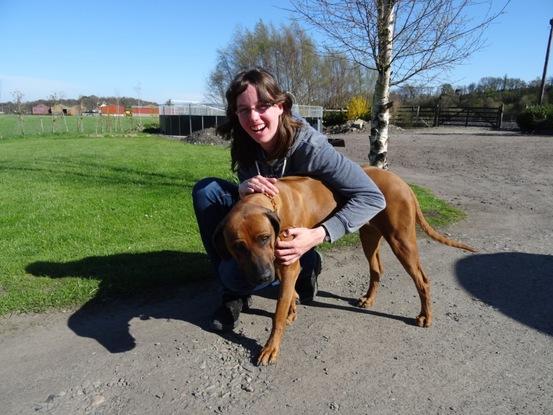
259, 108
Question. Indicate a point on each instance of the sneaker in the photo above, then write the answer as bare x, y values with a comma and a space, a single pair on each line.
307, 285
226, 317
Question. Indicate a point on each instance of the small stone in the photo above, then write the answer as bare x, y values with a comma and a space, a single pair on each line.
98, 400
247, 388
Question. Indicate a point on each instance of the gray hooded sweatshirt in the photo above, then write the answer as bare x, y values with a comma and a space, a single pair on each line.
312, 155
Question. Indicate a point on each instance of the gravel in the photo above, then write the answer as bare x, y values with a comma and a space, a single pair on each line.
490, 349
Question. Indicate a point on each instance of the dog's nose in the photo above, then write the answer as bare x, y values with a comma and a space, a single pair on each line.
266, 274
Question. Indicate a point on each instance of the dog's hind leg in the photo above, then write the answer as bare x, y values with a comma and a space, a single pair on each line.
405, 249
370, 240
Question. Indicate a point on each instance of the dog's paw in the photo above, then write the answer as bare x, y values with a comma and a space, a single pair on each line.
268, 355
291, 318
365, 302
424, 321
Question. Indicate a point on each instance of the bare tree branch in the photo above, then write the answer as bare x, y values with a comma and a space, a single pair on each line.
402, 39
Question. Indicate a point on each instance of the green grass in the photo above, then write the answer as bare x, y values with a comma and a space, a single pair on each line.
32, 125
436, 211
98, 217
85, 218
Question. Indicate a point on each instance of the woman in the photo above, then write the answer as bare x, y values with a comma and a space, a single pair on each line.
268, 142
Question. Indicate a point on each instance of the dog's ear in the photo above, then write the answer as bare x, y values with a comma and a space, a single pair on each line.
275, 221
218, 240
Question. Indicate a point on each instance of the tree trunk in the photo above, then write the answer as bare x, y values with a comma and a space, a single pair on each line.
380, 116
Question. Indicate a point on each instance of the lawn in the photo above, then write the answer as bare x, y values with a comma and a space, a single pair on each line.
86, 218
82, 217
31, 125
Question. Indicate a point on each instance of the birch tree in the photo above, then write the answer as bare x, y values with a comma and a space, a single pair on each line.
402, 40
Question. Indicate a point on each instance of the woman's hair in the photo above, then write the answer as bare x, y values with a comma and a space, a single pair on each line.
243, 149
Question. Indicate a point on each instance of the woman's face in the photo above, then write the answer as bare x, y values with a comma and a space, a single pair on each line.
259, 119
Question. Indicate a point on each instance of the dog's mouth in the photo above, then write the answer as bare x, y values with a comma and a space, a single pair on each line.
259, 284
261, 276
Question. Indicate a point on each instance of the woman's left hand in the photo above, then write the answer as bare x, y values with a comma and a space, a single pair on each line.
301, 241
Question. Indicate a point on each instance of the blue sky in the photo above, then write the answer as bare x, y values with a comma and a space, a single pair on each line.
166, 49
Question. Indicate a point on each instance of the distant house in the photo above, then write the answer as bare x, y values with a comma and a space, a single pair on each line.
75, 110
58, 109
41, 109
144, 111
112, 109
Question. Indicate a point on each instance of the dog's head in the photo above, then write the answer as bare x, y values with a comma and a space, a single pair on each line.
248, 234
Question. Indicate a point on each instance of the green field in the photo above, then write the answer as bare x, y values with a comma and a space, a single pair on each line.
85, 217
31, 125
98, 217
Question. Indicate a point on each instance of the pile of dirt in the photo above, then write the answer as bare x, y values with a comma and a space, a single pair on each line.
352, 126
206, 136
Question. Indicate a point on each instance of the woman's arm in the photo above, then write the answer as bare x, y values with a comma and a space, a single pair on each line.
362, 198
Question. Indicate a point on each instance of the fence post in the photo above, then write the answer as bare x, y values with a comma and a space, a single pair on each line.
467, 117
189, 119
436, 115
500, 116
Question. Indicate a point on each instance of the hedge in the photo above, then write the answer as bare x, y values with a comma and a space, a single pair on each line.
536, 118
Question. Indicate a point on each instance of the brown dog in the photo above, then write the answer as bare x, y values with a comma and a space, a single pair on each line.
249, 231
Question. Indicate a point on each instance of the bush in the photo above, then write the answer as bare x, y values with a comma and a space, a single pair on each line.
358, 107
331, 118
536, 118
151, 128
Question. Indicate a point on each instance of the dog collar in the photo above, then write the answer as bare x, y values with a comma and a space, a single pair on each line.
273, 201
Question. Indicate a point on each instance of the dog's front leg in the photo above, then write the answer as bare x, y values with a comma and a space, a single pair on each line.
289, 275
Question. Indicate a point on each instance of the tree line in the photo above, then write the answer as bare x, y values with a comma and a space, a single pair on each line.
326, 78
332, 80
87, 102
513, 93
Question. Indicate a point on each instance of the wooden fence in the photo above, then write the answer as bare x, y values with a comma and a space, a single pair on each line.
419, 116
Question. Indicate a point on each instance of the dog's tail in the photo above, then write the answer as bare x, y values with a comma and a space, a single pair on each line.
434, 234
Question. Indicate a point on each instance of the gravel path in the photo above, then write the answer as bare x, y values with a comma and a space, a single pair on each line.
489, 351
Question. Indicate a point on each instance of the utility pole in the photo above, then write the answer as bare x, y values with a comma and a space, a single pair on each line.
542, 88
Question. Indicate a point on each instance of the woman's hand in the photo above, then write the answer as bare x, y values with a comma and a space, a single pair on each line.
258, 184
302, 240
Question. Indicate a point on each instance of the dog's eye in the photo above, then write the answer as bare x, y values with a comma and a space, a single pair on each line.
240, 247
264, 239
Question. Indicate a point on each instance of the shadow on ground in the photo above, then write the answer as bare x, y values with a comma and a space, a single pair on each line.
170, 284
520, 285
352, 307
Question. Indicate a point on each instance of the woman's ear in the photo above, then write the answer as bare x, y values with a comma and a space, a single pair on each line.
280, 108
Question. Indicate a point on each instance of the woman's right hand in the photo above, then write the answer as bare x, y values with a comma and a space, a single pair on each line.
258, 184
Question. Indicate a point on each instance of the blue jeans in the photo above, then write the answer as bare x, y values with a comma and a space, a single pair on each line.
213, 198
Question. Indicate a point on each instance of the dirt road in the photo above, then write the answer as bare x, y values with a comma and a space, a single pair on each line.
489, 351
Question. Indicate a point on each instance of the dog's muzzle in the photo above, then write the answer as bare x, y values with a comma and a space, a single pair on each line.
260, 274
